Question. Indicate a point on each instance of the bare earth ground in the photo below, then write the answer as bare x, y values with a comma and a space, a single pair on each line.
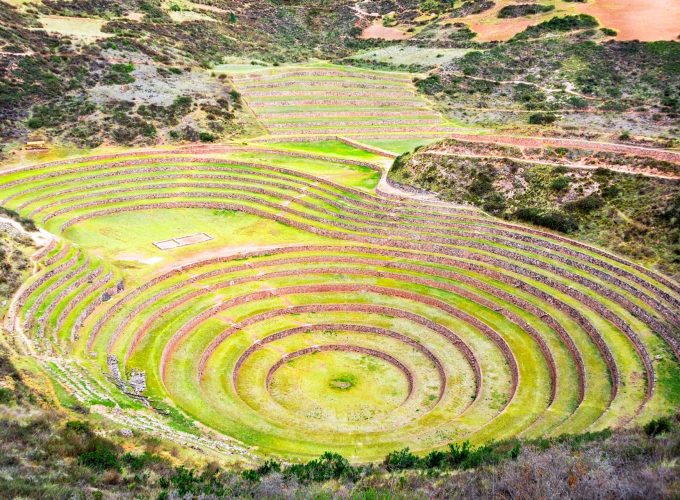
644, 20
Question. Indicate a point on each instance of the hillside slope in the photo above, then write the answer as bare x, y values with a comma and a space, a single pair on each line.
624, 202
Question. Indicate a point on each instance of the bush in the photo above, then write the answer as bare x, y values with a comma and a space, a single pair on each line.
328, 466
559, 24
100, 455
494, 203
434, 6
119, 74
560, 184
435, 460
482, 185
520, 10
552, 219
430, 85
464, 456
206, 137
6, 396
55, 114
400, 460
586, 204
658, 426
577, 102
542, 118
78, 427
139, 462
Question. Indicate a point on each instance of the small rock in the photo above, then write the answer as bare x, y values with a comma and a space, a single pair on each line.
126, 433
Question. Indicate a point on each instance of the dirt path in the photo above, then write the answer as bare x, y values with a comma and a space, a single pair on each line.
539, 142
39, 237
579, 166
523, 82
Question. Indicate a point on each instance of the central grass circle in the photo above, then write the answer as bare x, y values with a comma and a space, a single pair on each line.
339, 386
343, 382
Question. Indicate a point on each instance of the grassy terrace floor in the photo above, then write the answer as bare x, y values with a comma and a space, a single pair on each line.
325, 99
324, 314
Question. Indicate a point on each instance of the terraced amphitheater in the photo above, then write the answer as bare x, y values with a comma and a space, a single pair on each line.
323, 312
330, 100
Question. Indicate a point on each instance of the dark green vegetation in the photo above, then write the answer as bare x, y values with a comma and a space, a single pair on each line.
523, 9
48, 454
632, 214
558, 24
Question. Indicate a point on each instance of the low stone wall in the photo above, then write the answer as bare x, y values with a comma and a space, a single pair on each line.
92, 279
347, 348
343, 327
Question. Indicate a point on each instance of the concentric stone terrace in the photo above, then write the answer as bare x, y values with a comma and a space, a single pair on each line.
325, 314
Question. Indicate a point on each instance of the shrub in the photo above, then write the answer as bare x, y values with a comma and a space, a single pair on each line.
609, 192
482, 185
58, 113
6, 396
577, 102
560, 184
78, 427
139, 462
435, 6
586, 204
658, 426
328, 466
184, 480
206, 137
430, 85
495, 203
400, 460
520, 10
542, 118
119, 74
100, 455
551, 219
559, 24
435, 460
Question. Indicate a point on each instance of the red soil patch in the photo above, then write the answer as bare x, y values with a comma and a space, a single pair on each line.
644, 20
380, 31
501, 31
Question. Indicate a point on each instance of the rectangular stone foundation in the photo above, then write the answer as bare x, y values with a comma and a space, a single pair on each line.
182, 241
